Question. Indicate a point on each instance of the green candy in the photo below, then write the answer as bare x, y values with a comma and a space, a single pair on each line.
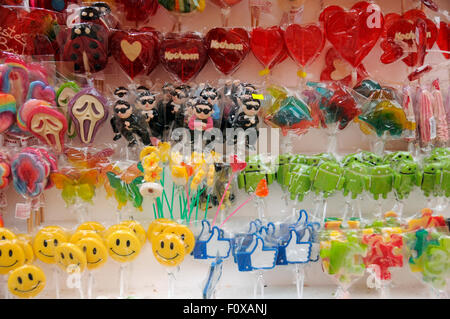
355, 179
443, 179
299, 181
371, 159
327, 178
406, 176
254, 172
283, 168
381, 181
429, 179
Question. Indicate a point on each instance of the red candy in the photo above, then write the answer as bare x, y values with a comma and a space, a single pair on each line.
268, 45
138, 10
330, 73
237, 165
183, 55
261, 189
304, 43
350, 31
135, 51
227, 48
443, 39
381, 253
86, 47
413, 29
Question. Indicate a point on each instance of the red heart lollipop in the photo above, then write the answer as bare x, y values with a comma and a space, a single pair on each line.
133, 50
227, 48
267, 45
350, 31
183, 55
156, 39
443, 39
401, 31
138, 10
304, 43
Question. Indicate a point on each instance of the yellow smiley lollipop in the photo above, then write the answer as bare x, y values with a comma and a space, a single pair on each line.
95, 226
123, 245
70, 258
80, 234
137, 229
27, 250
46, 241
158, 226
6, 234
185, 234
168, 249
95, 251
113, 228
11, 256
26, 281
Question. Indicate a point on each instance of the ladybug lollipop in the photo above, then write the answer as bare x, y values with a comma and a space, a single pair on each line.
86, 48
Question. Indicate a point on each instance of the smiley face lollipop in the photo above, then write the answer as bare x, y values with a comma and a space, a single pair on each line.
95, 251
123, 245
157, 227
26, 281
6, 234
11, 256
185, 234
137, 229
168, 249
70, 258
46, 241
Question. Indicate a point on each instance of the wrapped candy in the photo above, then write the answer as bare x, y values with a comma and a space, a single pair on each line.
382, 114
136, 51
342, 252
304, 44
138, 11
179, 8
225, 9
288, 112
267, 45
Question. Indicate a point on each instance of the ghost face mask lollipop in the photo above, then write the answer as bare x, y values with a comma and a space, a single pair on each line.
88, 112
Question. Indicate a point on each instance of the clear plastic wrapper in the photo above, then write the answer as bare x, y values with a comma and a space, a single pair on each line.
138, 11
183, 55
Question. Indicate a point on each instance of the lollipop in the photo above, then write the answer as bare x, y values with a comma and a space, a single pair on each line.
26, 281
88, 112
135, 51
138, 11
180, 8
227, 48
7, 111
304, 44
267, 45
183, 55
353, 33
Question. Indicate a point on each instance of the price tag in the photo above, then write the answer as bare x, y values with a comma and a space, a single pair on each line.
23, 211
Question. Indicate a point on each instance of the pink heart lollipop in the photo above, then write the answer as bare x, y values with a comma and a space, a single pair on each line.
41, 91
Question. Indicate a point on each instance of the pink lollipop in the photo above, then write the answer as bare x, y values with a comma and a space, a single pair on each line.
28, 173
7, 111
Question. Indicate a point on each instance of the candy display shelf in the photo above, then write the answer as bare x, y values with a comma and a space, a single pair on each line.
146, 278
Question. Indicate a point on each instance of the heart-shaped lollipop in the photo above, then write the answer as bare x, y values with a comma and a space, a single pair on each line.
339, 70
40, 91
138, 10
304, 43
135, 51
48, 125
7, 111
183, 55
402, 31
227, 48
267, 45
88, 112
443, 39
353, 33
